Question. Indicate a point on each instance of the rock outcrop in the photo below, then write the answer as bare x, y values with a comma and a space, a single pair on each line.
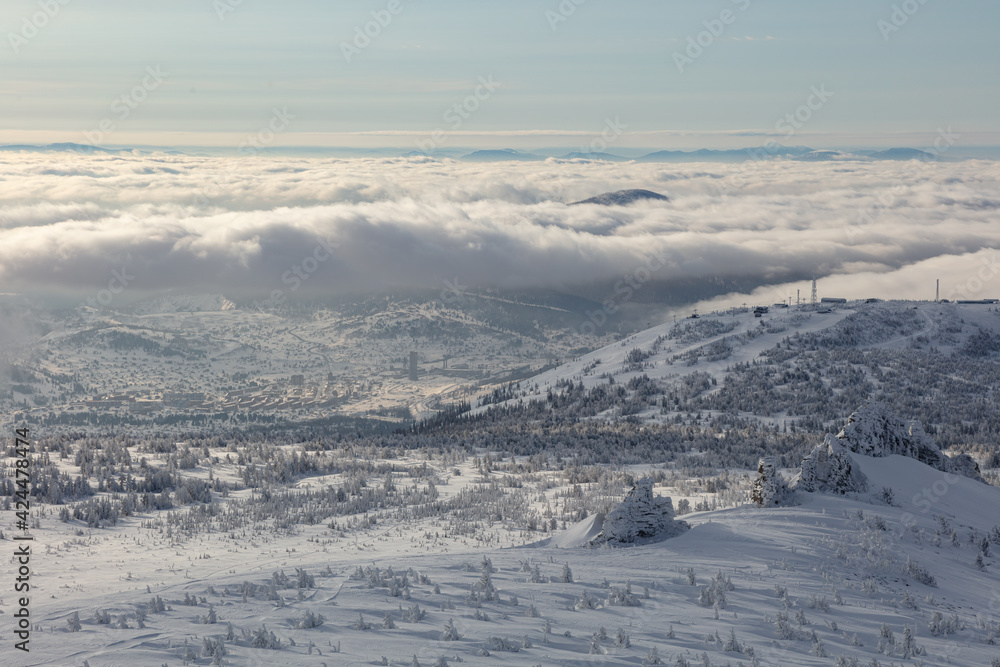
828, 468
873, 430
641, 517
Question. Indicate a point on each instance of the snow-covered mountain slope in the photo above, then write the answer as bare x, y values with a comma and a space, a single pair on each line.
184, 303
490, 527
791, 370
666, 350
833, 580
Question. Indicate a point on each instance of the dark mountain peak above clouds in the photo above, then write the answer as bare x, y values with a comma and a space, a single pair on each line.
622, 198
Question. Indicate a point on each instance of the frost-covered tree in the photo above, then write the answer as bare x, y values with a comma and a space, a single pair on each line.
908, 646
450, 633
309, 620
264, 638
731, 645
485, 587
769, 489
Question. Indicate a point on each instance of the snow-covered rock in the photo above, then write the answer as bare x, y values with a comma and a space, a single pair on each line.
829, 468
874, 430
641, 516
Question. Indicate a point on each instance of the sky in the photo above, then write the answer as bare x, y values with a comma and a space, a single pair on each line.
219, 72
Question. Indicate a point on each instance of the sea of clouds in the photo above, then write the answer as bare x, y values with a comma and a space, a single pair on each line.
69, 221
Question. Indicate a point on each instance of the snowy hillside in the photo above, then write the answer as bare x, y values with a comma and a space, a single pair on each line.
185, 304
791, 370
832, 580
598, 513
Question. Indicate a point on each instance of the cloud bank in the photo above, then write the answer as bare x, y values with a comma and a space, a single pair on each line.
70, 222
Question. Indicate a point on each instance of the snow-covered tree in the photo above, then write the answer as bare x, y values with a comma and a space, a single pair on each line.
450, 633
769, 489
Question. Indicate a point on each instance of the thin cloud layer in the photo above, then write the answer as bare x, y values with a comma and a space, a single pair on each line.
67, 222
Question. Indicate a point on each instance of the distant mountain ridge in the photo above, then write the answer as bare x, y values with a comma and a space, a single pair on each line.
65, 147
903, 154
504, 154
732, 155
771, 151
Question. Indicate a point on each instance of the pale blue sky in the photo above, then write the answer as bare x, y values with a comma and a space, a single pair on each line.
607, 60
